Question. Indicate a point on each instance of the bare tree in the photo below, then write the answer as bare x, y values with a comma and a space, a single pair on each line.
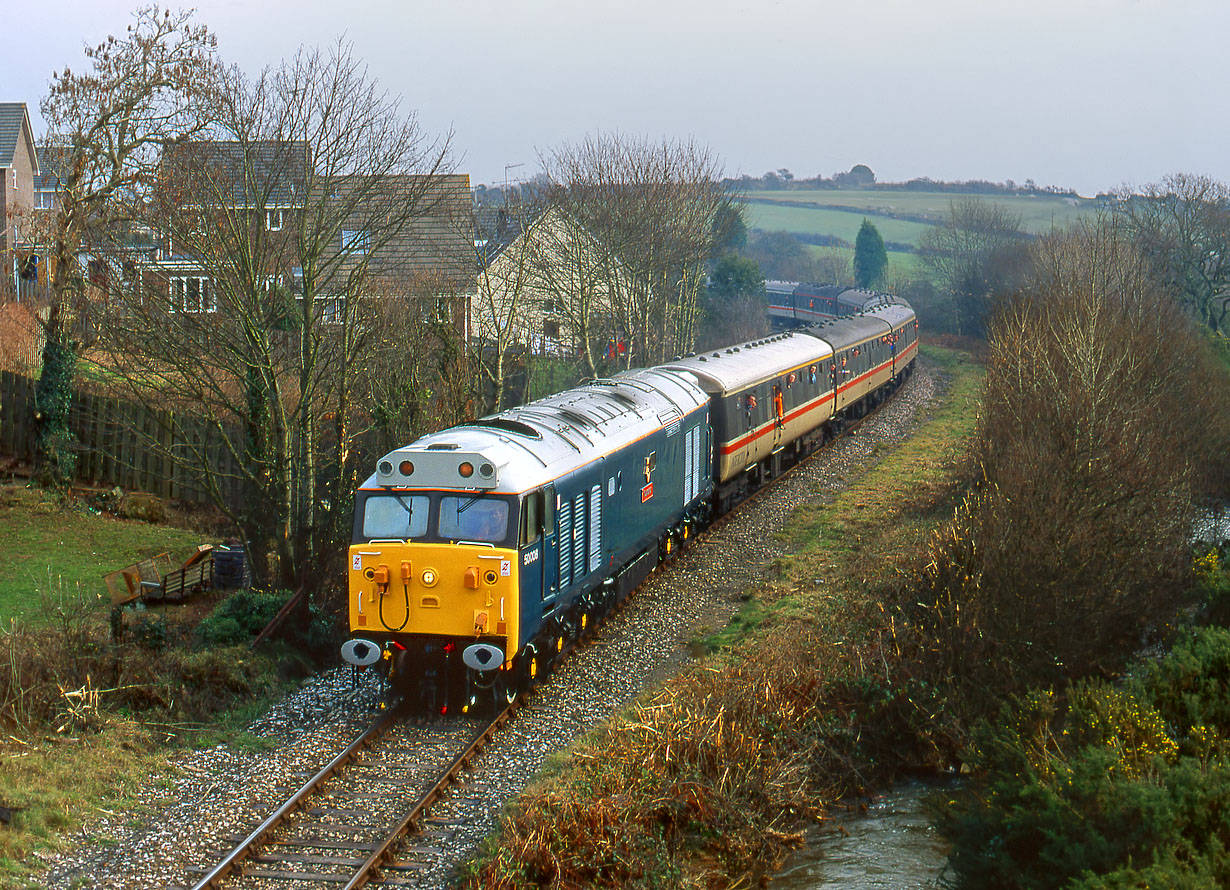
298, 239
655, 212
107, 126
1182, 226
979, 253
1092, 434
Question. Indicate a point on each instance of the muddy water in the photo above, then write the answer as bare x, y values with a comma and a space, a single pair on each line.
890, 845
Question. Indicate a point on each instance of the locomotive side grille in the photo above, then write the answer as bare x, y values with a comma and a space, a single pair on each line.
696, 461
595, 528
689, 466
578, 537
565, 544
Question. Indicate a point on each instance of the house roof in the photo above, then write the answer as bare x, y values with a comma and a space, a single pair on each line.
14, 120
267, 172
48, 177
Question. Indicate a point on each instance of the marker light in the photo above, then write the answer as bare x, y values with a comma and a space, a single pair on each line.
466, 470
406, 468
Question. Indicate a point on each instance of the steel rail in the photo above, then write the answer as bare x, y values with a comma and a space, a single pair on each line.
384, 849
223, 869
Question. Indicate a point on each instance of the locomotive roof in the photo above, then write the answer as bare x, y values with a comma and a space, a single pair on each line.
737, 367
526, 447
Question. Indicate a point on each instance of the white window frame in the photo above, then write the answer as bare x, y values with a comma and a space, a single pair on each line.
269, 220
206, 300
356, 241
44, 199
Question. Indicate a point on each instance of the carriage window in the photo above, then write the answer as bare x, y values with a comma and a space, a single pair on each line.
395, 516
473, 519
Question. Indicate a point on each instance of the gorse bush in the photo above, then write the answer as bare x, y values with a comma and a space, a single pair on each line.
1118, 786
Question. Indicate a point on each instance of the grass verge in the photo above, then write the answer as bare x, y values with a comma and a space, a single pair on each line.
706, 780
50, 544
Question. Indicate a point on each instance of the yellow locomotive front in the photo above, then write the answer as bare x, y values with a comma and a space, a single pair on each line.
433, 581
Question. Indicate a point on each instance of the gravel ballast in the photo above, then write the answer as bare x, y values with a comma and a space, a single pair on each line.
181, 817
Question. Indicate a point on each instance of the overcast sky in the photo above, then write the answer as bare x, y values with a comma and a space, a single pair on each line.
1088, 94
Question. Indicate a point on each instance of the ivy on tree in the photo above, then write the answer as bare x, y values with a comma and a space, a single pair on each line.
870, 257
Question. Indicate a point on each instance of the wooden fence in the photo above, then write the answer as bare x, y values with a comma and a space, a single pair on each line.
126, 444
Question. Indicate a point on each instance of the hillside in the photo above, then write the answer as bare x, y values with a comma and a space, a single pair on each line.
901, 216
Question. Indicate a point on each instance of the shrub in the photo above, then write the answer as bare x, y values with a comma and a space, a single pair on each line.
1118, 787
1191, 686
1072, 547
240, 617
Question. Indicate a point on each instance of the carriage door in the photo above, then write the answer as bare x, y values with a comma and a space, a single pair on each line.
779, 414
834, 369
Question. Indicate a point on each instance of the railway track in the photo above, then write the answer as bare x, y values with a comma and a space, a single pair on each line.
363, 816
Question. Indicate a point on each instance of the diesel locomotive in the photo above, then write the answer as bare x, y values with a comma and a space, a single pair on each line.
480, 551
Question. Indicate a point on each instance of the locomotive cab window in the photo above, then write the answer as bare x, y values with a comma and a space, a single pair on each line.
473, 519
532, 515
395, 515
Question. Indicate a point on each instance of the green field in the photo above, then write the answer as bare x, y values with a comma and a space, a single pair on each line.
815, 221
840, 212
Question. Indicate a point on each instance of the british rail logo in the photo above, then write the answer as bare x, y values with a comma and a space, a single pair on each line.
646, 492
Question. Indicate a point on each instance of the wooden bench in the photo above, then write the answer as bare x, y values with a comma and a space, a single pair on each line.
194, 576
158, 580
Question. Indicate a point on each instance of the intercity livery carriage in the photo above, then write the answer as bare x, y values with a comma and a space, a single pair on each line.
479, 550
775, 400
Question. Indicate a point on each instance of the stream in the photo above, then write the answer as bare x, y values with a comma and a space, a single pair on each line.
890, 844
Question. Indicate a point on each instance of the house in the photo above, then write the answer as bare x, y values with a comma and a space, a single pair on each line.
406, 235
547, 285
46, 181
18, 168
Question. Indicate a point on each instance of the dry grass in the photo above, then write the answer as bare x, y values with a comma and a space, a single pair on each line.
58, 783
20, 338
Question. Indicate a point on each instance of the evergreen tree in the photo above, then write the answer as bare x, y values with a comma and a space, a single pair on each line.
870, 257
736, 276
